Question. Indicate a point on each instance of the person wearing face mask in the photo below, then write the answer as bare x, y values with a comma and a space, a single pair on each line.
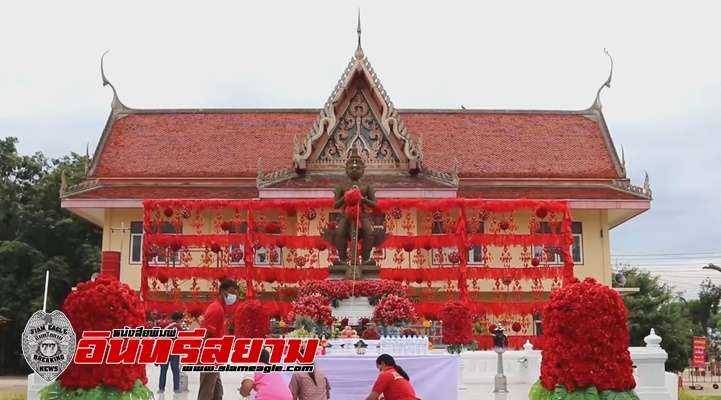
393, 382
211, 387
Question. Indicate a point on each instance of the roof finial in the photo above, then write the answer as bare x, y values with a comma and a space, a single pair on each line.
117, 104
359, 51
597, 103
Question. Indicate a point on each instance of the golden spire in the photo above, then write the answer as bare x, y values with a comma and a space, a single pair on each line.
359, 51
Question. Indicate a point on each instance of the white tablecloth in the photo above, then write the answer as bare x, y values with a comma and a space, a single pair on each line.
434, 377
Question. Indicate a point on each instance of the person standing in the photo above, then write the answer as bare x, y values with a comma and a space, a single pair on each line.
211, 387
393, 382
310, 385
174, 361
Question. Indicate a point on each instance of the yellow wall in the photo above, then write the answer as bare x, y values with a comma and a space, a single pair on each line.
596, 247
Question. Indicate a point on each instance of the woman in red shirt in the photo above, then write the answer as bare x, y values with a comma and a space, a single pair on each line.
393, 382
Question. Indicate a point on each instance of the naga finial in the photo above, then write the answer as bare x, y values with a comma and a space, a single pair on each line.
117, 105
597, 103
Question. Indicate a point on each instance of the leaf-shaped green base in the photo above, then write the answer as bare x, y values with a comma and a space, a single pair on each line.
55, 391
538, 392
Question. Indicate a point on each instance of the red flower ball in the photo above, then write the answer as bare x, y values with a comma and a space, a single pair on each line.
419, 278
251, 320
352, 212
270, 278
483, 214
427, 246
535, 261
163, 278
586, 339
332, 225
353, 197
322, 247
454, 258
175, 245
516, 327
507, 280
186, 213
311, 214
279, 242
396, 213
300, 261
437, 214
236, 255
504, 225
457, 323
272, 228
215, 248
542, 212
225, 225
168, 212
409, 246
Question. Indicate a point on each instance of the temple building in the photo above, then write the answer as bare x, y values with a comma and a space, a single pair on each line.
264, 154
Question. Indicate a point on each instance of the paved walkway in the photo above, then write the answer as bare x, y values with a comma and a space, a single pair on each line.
13, 384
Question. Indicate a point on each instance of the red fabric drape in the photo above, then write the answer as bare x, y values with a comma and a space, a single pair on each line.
203, 257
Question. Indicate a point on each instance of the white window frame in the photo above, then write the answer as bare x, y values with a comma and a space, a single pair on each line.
470, 259
556, 259
153, 262
256, 259
537, 325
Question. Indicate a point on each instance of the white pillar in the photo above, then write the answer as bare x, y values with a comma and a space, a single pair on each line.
461, 383
650, 372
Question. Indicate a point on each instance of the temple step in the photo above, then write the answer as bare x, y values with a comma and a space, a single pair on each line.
370, 272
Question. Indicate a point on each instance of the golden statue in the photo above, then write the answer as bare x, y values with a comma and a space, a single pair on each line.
347, 230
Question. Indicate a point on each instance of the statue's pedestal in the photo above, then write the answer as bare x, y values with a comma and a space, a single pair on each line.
370, 272
357, 307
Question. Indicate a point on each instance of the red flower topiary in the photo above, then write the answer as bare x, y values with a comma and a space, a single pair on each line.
457, 323
103, 305
393, 309
314, 306
586, 339
251, 320
353, 197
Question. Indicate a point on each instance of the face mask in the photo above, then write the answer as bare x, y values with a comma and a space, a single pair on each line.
230, 299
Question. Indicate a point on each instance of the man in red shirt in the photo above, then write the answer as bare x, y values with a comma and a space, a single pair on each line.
211, 387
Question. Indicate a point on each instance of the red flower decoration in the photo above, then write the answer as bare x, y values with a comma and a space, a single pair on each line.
437, 214
175, 245
272, 227
322, 247
409, 246
454, 258
251, 320
236, 255
457, 323
341, 290
586, 339
516, 327
225, 225
279, 242
353, 197
311, 214
504, 225
273, 255
396, 213
314, 306
186, 213
392, 309
535, 261
507, 280
332, 225
352, 212
483, 214
300, 261
103, 305
542, 212
163, 278
215, 248
168, 212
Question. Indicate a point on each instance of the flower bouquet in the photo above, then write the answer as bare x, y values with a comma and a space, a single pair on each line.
314, 306
251, 320
101, 305
585, 354
457, 326
393, 310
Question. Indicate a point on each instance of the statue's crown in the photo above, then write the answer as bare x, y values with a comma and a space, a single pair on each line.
355, 158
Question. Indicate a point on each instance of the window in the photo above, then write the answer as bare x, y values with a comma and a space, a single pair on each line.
378, 222
549, 254
136, 245
234, 229
263, 254
475, 254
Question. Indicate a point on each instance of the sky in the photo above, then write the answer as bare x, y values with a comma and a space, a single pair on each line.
662, 106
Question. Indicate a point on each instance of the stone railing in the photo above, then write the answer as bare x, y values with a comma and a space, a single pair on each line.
524, 367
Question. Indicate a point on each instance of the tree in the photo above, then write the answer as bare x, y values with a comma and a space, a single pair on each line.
704, 309
36, 235
656, 306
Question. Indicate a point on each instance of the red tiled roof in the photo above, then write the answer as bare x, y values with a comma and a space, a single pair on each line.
160, 192
546, 193
228, 144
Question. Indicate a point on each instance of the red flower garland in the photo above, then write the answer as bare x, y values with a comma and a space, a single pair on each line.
457, 323
586, 339
392, 309
314, 306
103, 305
252, 320
341, 290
